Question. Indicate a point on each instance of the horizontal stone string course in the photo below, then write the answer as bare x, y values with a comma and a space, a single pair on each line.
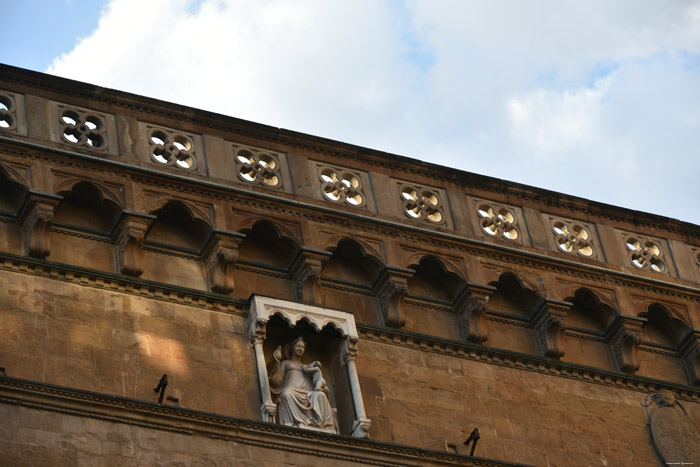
79, 403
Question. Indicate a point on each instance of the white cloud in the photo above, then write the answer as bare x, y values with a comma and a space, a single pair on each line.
596, 99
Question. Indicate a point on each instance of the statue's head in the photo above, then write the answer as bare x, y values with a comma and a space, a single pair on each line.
296, 347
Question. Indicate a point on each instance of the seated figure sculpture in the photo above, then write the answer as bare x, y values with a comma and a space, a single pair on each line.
299, 390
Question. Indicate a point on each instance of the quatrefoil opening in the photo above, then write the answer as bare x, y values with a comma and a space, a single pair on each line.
498, 221
7, 113
341, 186
258, 168
83, 129
172, 149
421, 204
573, 238
645, 254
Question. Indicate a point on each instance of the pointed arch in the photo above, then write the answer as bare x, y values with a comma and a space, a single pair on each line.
67, 185
12, 193
85, 206
663, 327
283, 229
350, 262
179, 226
591, 311
434, 279
267, 243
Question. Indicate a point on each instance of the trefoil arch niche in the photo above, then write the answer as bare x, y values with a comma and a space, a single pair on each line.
330, 338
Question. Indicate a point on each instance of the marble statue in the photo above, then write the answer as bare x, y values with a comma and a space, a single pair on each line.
300, 391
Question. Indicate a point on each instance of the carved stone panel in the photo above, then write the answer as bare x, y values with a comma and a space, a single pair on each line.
83, 128
673, 434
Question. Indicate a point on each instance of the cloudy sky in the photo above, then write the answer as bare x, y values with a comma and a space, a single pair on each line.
597, 99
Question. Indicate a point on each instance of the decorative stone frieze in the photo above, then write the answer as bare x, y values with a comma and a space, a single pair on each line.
306, 272
171, 148
624, 335
220, 254
129, 236
645, 253
261, 310
257, 167
572, 237
341, 186
471, 309
36, 217
82, 128
498, 221
421, 203
549, 324
391, 289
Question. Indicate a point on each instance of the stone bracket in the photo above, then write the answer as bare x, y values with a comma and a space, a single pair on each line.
128, 241
305, 273
220, 254
549, 323
690, 354
471, 309
624, 335
36, 216
390, 290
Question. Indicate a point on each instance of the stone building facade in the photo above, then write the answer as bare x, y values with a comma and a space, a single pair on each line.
140, 238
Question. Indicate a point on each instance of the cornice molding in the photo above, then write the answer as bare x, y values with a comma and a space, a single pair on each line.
86, 404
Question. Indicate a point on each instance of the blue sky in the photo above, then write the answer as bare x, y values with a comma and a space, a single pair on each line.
595, 99
38, 31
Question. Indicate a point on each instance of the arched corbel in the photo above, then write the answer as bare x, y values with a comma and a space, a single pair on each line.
220, 254
549, 325
624, 336
306, 272
391, 288
36, 217
690, 354
471, 309
128, 240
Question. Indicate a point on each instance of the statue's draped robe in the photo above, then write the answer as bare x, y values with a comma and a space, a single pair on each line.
297, 403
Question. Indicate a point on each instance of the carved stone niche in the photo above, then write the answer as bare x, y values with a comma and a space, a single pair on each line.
330, 340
